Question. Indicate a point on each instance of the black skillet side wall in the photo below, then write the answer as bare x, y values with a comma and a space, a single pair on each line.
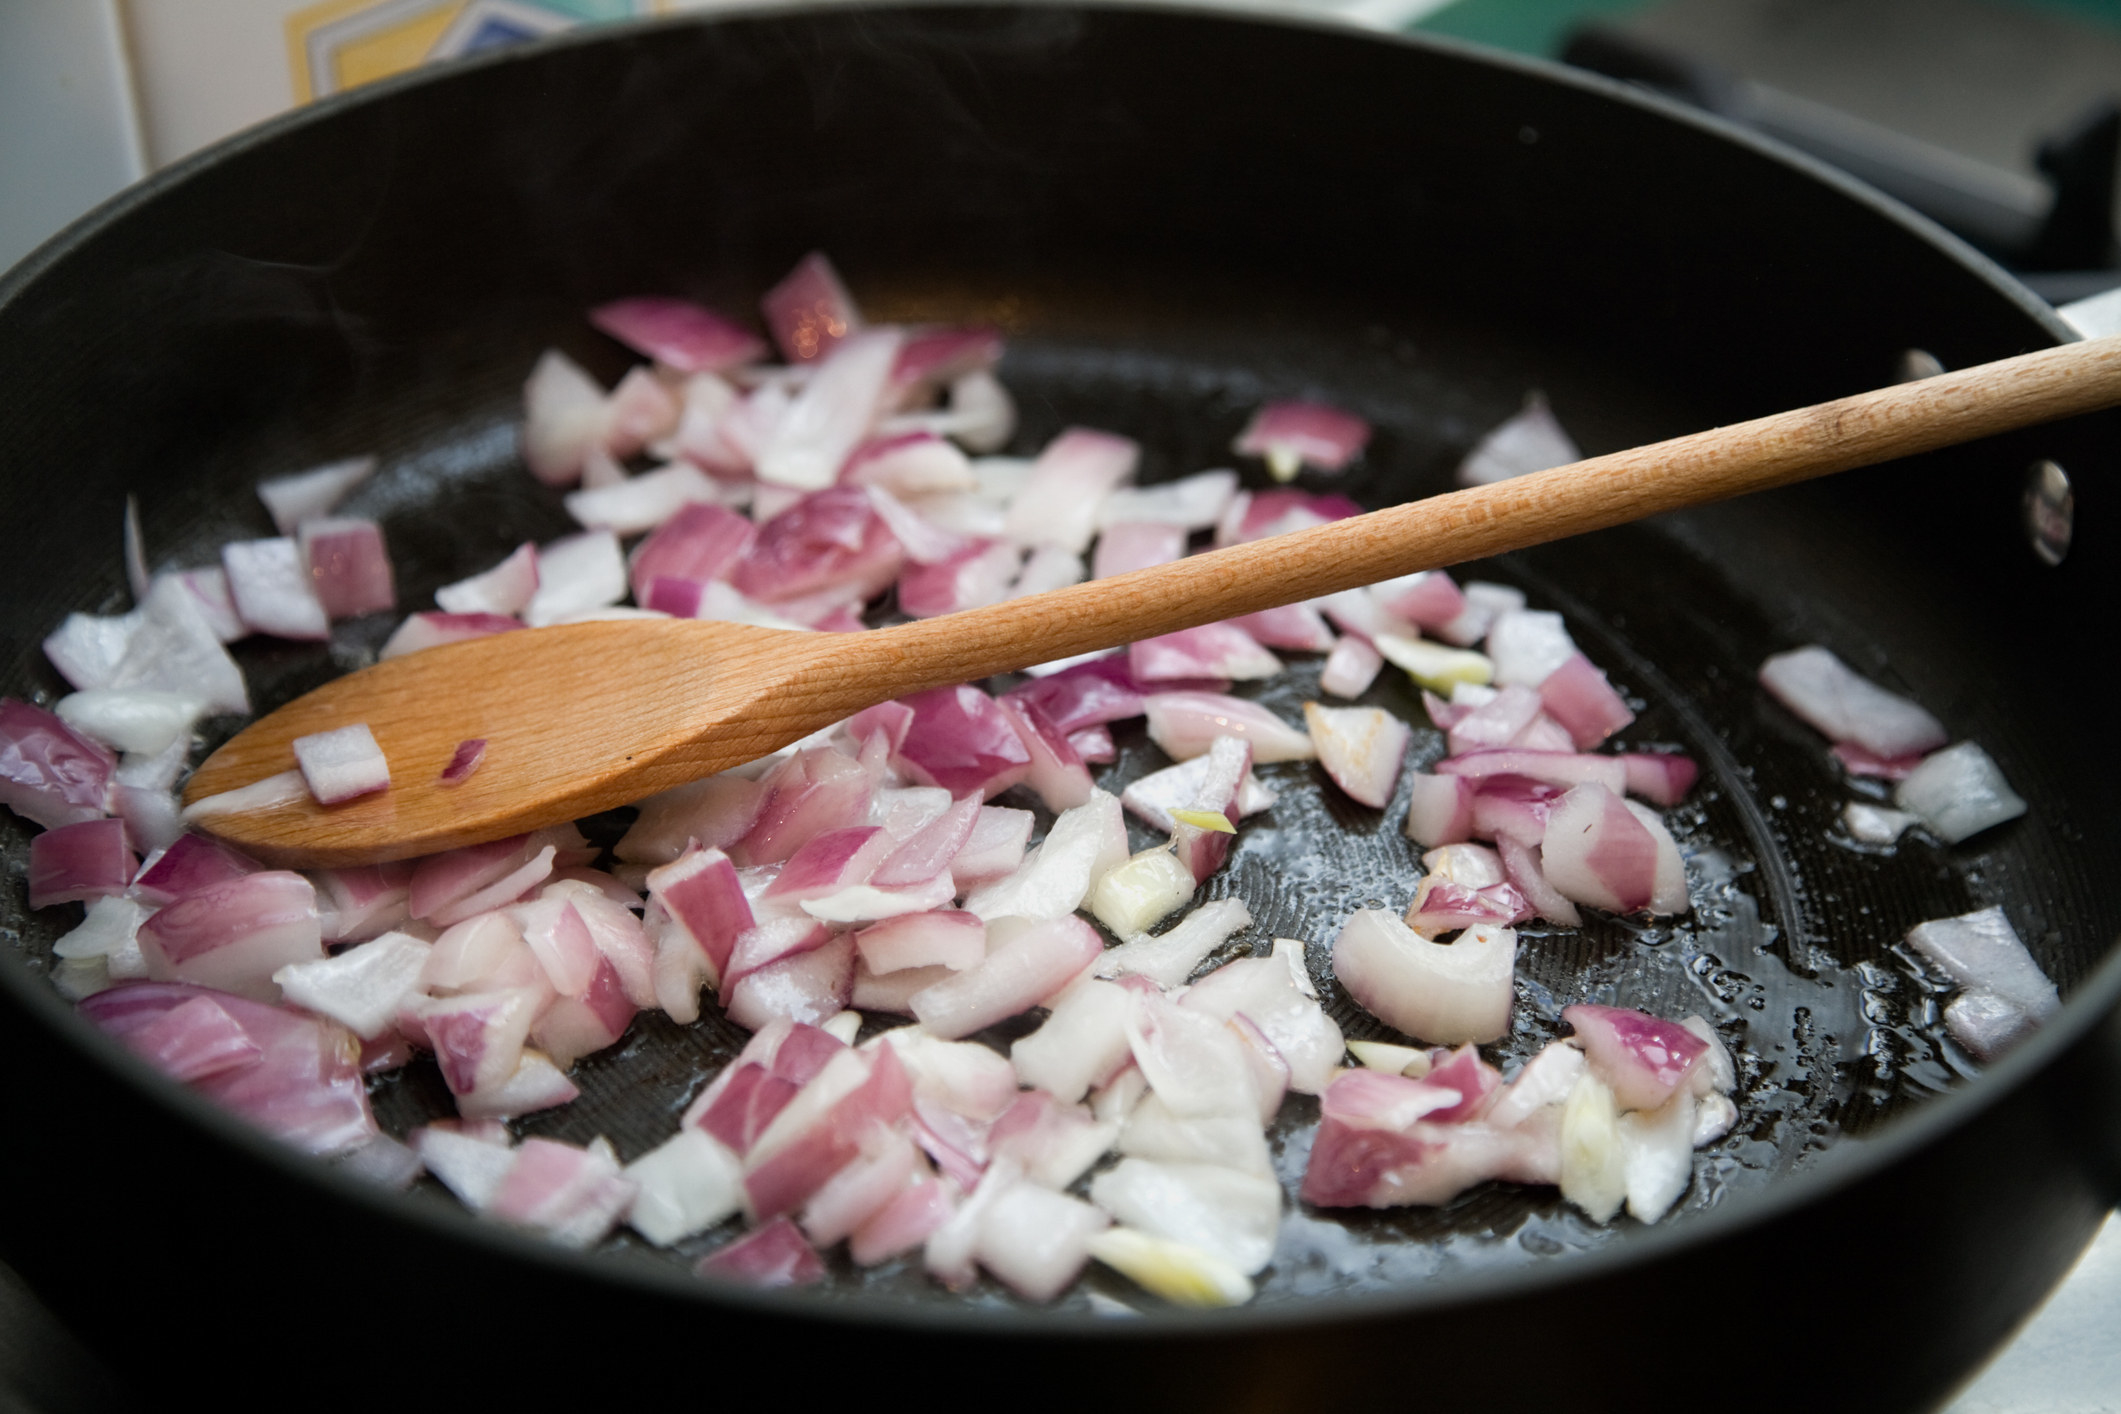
1099, 157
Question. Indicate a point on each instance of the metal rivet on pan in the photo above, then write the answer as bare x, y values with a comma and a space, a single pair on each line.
2050, 511
1916, 364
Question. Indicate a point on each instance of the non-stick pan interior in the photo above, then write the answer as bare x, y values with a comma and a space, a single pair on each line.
1420, 238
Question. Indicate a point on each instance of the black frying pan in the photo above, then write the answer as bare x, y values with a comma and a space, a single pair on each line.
1175, 216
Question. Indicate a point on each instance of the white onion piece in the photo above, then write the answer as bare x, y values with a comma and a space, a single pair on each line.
1135, 896
2007, 995
1593, 1158
1195, 1064
1013, 978
110, 925
1544, 1081
1527, 645
1263, 989
1236, 1142
1048, 567
138, 720
1842, 705
1958, 793
946, 938
272, 590
1059, 502
1055, 1142
1233, 1216
363, 987
284, 789
1445, 993
640, 503
1359, 612
1082, 1042
290, 500
1361, 749
1484, 604
1136, 545
1531, 440
1169, 958
1190, 503
1178, 1272
1153, 797
507, 588
1428, 598
832, 414
1432, 665
1294, 626
1439, 809
1054, 880
911, 465
420, 631
1185, 724
684, 1186
1350, 668
342, 764
565, 415
470, 1167
924, 542
86, 648
575, 574
1657, 1156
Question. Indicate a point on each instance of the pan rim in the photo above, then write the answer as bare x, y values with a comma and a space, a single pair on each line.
1846, 1163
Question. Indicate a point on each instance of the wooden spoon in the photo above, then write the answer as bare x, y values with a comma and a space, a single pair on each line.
583, 717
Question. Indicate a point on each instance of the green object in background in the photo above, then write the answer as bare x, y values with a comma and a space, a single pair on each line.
1540, 27
1527, 26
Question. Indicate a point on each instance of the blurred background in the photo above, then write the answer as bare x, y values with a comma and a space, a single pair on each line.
1997, 118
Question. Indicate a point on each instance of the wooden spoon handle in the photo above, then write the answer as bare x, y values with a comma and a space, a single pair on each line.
1449, 529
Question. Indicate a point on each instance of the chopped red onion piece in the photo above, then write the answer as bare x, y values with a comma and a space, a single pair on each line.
1059, 503
192, 862
304, 1085
1858, 762
463, 761
962, 740
640, 410
1958, 793
272, 589
208, 592
930, 850
1491, 724
1430, 598
1296, 626
1446, 993
1441, 906
1218, 792
1350, 668
85, 860
1560, 768
1643, 1058
1359, 613
945, 938
1190, 503
342, 764
1871, 824
1211, 651
700, 542
976, 576
923, 542
1597, 851
1036, 1240
1530, 441
1832, 698
1528, 876
1094, 745
1153, 797
1016, 976
995, 847
704, 904
1056, 772
1578, 696
684, 1186
1047, 567
932, 357
49, 772
1361, 749
774, 1256
577, 573
307, 495
815, 790
478, 1037
809, 986
831, 540
574, 1196
348, 566
1255, 515
1660, 778
433, 630
1293, 435
235, 934
678, 333
1088, 694
153, 818
810, 311
1439, 810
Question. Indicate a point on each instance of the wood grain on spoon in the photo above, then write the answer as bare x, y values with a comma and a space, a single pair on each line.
583, 717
